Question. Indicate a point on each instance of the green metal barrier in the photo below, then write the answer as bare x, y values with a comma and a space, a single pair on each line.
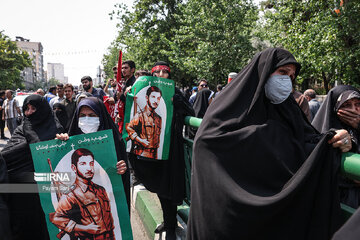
350, 167
193, 121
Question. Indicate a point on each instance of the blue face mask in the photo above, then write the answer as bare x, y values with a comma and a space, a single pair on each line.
278, 88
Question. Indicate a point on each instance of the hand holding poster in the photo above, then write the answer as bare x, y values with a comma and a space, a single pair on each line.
83, 196
148, 116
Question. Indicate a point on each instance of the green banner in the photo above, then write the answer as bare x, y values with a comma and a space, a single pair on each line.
148, 117
80, 192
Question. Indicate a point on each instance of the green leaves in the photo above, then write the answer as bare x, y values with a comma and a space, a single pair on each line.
12, 61
210, 38
325, 43
199, 38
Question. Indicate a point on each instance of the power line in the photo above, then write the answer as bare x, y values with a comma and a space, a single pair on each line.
66, 53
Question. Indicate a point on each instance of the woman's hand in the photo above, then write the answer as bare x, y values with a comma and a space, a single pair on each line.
349, 117
62, 136
341, 140
121, 167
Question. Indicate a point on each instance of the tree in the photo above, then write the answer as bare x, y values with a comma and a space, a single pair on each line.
214, 38
324, 41
53, 82
142, 32
200, 39
12, 62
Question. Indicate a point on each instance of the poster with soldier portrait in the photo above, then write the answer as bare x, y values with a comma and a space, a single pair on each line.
148, 117
81, 194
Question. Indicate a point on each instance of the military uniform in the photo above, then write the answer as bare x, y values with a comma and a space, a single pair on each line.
86, 203
145, 125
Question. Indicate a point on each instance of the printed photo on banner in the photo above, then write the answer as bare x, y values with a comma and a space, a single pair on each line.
80, 192
148, 116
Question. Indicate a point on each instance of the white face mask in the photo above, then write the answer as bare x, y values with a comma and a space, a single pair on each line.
278, 88
89, 124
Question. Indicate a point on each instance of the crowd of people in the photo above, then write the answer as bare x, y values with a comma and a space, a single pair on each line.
265, 156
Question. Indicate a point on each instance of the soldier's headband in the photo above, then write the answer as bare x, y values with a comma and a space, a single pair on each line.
159, 68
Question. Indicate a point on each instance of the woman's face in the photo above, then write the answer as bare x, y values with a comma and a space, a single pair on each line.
351, 105
30, 109
86, 111
289, 69
161, 73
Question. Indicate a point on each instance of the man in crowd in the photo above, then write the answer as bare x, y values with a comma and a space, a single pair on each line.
2, 122
203, 83
301, 100
87, 83
69, 101
51, 94
127, 70
60, 95
84, 212
11, 111
110, 87
314, 105
219, 88
40, 91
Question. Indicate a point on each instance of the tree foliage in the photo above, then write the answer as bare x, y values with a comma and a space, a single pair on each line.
200, 39
323, 36
210, 38
52, 82
214, 38
12, 62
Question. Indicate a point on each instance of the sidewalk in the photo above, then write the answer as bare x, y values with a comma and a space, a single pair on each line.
148, 208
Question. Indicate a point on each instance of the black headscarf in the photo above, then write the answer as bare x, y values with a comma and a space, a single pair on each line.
256, 174
61, 114
42, 121
201, 102
105, 123
42, 125
326, 117
26, 215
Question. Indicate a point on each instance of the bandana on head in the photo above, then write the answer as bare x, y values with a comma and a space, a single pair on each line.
160, 67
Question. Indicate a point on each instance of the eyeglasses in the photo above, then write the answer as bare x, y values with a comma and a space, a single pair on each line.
203, 85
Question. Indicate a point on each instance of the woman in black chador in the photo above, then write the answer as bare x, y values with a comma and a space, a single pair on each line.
167, 177
260, 170
91, 116
341, 109
27, 219
60, 113
201, 102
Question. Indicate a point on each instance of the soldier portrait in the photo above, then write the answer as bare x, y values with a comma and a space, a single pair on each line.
145, 127
84, 211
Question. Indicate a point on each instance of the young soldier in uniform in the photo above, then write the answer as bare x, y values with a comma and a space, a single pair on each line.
145, 128
85, 211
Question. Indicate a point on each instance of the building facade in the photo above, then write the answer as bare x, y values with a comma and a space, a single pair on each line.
56, 70
32, 75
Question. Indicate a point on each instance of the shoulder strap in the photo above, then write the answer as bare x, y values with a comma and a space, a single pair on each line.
84, 206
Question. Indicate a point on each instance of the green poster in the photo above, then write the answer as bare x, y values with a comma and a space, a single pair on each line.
80, 192
148, 117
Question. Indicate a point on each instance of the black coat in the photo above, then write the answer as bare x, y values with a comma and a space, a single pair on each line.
326, 119
27, 218
260, 170
167, 177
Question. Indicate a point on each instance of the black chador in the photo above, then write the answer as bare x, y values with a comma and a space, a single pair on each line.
260, 170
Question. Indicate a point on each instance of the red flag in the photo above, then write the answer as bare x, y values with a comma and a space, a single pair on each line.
119, 88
